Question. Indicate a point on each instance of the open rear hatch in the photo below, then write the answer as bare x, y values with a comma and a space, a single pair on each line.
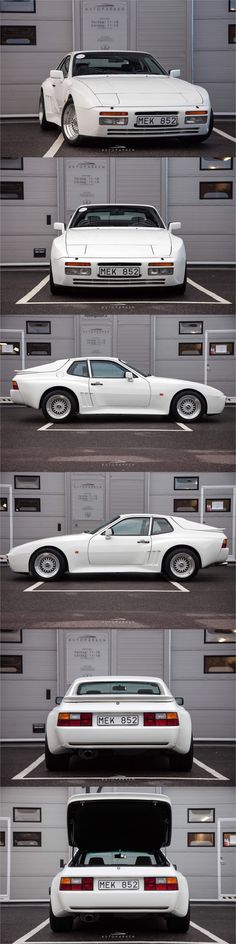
124, 822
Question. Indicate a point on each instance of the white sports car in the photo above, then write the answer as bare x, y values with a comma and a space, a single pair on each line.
115, 245
81, 386
139, 543
118, 712
117, 865
107, 94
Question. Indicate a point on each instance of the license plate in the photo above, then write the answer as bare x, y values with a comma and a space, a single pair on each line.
155, 121
126, 884
114, 720
117, 272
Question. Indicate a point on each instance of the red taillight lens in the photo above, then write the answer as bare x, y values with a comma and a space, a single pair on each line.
225, 542
14, 385
160, 719
67, 719
160, 884
76, 884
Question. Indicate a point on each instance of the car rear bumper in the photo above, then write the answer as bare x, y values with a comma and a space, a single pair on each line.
16, 397
118, 901
117, 737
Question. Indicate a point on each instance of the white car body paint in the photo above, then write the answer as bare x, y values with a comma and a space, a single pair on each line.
98, 553
148, 395
91, 818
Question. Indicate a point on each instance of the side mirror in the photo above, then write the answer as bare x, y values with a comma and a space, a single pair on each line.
58, 700
59, 227
129, 376
57, 75
179, 701
172, 227
108, 534
175, 73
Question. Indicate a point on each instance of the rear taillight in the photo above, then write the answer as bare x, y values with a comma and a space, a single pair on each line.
161, 719
160, 884
225, 542
14, 385
76, 884
67, 719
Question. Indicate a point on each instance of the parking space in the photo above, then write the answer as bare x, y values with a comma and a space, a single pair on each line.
208, 286
25, 764
120, 602
23, 136
29, 921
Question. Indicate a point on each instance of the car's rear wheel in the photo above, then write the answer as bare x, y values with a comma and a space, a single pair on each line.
69, 123
181, 564
54, 288
188, 405
47, 564
58, 406
182, 761
55, 761
60, 925
180, 289
41, 112
178, 924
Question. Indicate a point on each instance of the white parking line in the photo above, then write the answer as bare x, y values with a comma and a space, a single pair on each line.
55, 146
224, 135
208, 934
34, 291
112, 429
210, 770
26, 937
35, 585
213, 937
114, 590
206, 291
27, 770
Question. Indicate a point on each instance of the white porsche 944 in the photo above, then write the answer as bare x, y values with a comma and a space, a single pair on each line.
81, 386
118, 712
139, 543
117, 865
117, 244
107, 94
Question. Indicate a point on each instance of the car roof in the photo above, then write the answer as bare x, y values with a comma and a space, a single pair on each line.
101, 52
115, 678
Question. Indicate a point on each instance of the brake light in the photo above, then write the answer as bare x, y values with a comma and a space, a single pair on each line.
14, 385
161, 884
225, 542
76, 884
161, 719
68, 719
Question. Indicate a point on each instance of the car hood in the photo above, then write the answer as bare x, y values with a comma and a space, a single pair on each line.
127, 822
142, 90
103, 243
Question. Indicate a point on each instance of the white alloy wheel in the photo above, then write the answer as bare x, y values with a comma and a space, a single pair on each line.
46, 564
58, 406
70, 124
189, 406
182, 564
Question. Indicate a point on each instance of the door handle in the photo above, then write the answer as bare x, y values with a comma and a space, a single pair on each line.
96, 383
143, 542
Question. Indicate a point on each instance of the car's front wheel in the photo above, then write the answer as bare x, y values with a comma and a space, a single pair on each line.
41, 112
47, 563
181, 564
188, 405
55, 761
177, 924
60, 925
69, 123
58, 406
182, 761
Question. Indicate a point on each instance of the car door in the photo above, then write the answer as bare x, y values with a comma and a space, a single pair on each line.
128, 546
161, 538
60, 89
111, 389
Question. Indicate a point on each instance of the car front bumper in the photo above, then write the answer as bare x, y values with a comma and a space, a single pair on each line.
141, 123
95, 280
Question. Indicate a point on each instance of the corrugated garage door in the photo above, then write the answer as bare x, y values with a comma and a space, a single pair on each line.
208, 697
143, 656
164, 30
213, 54
30, 212
208, 223
144, 183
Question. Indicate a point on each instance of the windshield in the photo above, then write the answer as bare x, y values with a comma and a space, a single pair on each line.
114, 215
115, 63
107, 524
120, 858
120, 687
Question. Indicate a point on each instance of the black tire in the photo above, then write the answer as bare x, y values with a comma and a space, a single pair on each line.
176, 402
41, 111
55, 761
60, 925
57, 418
180, 289
73, 141
54, 288
177, 924
50, 574
187, 554
182, 762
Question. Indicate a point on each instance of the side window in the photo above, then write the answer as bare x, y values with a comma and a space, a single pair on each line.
131, 527
64, 66
161, 526
107, 369
79, 369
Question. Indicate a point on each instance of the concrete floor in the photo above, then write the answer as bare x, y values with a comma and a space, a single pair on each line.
25, 137
110, 602
112, 769
27, 289
95, 443
29, 923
